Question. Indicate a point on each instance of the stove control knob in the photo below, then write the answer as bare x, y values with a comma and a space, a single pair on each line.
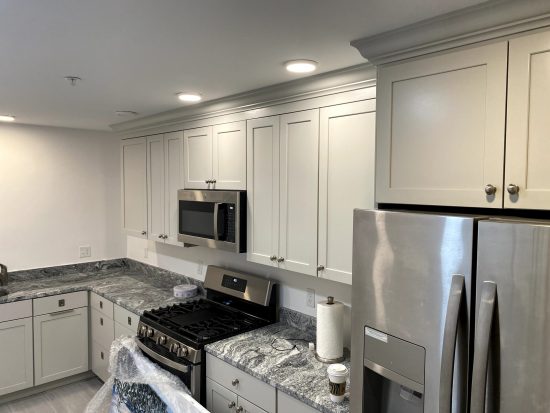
183, 352
143, 331
162, 340
150, 332
174, 347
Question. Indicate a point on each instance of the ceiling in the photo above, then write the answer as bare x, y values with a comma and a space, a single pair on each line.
137, 54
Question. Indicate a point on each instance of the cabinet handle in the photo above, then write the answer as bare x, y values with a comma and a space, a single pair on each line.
213, 181
208, 181
512, 189
101, 321
321, 268
231, 405
165, 236
240, 409
102, 356
235, 382
129, 321
280, 259
143, 232
490, 189
61, 303
273, 258
160, 236
101, 305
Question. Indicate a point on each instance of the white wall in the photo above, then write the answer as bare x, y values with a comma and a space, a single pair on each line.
59, 189
293, 285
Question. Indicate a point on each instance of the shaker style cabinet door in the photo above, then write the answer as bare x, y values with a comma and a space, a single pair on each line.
155, 187
219, 399
173, 181
248, 407
346, 182
299, 169
229, 156
440, 129
527, 176
198, 158
263, 190
16, 359
134, 186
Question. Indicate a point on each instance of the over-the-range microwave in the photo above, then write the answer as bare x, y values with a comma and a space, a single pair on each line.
212, 218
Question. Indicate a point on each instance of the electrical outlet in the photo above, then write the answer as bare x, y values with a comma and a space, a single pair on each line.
310, 298
200, 267
85, 251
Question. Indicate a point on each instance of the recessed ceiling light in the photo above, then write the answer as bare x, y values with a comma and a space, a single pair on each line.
6, 118
301, 66
126, 113
189, 97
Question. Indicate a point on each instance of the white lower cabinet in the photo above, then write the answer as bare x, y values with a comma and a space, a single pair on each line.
100, 361
16, 360
60, 344
287, 404
222, 400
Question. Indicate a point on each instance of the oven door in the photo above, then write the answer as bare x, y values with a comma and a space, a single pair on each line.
212, 218
187, 372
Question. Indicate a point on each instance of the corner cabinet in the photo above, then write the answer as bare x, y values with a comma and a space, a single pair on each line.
283, 190
441, 127
134, 186
215, 157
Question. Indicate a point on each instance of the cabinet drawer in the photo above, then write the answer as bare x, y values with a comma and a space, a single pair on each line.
101, 304
243, 384
126, 318
285, 403
16, 310
60, 302
100, 361
122, 331
103, 329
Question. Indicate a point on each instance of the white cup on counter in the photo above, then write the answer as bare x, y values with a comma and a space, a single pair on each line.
337, 376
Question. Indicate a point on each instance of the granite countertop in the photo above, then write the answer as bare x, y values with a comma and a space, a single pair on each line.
292, 370
134, 286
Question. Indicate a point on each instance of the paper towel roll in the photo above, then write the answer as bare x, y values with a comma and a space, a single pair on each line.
330, 330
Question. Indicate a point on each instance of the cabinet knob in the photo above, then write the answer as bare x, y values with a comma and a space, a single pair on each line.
143, 232
240, 409
512, 189
208, 181
321, 268
490, 189
213, 181
280, 259
160, 236
273, 258
235, 382
231, 405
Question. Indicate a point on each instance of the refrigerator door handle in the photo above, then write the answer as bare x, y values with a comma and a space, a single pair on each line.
456, 296
481, 346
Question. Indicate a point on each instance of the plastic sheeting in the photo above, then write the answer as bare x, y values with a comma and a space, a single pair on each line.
138, 385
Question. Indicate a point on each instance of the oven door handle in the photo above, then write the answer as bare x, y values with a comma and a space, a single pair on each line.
161, 359
216, 213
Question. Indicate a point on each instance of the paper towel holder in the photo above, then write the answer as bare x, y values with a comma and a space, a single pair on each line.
330, 300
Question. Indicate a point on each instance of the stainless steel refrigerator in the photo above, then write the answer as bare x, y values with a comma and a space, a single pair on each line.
450, 314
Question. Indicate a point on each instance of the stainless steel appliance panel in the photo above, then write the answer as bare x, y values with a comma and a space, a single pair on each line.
512, 318
406, 266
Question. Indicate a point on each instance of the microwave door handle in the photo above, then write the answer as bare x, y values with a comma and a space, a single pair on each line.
216, 212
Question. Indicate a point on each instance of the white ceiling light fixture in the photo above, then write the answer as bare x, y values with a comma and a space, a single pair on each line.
189, 97
301, 66
6, 118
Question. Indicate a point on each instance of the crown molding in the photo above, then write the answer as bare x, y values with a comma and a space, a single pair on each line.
484, 22
350, 78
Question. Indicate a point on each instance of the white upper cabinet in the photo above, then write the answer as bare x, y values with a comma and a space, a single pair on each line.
299, 168
198, 158
215, 157
528, 123
164, 179
134, 186
263, 190
441, 129
346, 181
229, 156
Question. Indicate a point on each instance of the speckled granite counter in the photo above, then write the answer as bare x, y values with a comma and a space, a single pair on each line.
132, 285
269, 355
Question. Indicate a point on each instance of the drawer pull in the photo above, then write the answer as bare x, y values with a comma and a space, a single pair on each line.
102, 356
129, 321
240, 409
235, 382
61, 303
231, 405
101, 321
101, 305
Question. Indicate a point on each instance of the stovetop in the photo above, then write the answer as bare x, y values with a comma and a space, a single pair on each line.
200, 322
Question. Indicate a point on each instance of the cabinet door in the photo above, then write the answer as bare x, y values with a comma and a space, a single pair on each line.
346, 182
16, 357
263, 190
229, 156
285, 403
155, 187
198, 157
219, 399
528, 123
60, 345
173, 163
248, 407
440, 129
134, 186
299, 170
100, 361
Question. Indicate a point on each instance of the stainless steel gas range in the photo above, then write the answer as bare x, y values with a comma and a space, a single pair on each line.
174, 337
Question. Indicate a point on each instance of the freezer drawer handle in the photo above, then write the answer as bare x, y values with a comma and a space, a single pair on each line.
450, 335
481, 346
